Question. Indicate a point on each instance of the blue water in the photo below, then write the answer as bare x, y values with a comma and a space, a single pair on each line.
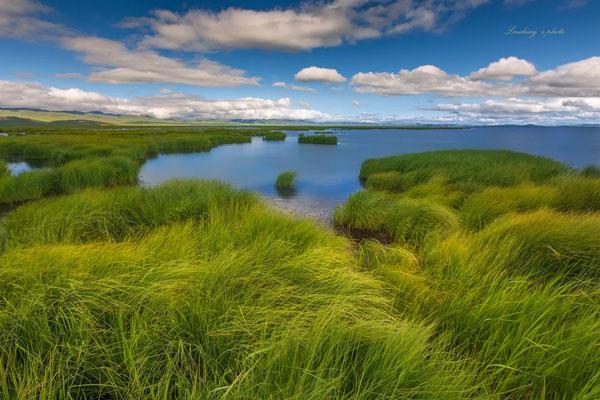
327, 175
18, 168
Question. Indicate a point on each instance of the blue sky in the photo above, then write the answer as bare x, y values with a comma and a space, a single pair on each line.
444, 61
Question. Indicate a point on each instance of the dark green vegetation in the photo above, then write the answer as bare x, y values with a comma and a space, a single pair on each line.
285, 184
474, 276
317, 139
274, 136
286, 180
77, 158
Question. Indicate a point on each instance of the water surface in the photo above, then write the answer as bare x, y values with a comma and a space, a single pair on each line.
327, 175
18, 168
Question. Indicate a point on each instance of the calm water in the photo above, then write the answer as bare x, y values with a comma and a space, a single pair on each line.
18, 168
329, 174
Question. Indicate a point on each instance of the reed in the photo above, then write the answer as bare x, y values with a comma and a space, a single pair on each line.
317, 139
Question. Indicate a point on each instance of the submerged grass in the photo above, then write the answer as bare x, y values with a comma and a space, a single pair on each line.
475, 276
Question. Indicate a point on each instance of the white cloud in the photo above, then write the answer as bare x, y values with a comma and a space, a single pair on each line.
318, 74
290, 86
166, 105
312, 25
69, 75
505, 69
518, 110
423, 79
577, 79
580, 79
19, 18
122, 65
118, 63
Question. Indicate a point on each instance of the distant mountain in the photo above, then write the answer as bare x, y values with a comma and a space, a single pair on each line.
40, 117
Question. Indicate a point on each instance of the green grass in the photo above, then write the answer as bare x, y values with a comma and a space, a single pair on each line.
194, 290
317, 139
504, 258
274, 136
466, 170
72, 176
454, 284
286, 180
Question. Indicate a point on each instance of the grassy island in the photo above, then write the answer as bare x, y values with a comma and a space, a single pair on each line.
286, 180
317, 139
274, 136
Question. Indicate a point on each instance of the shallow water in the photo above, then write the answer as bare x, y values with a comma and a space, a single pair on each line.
327, 175
18, 168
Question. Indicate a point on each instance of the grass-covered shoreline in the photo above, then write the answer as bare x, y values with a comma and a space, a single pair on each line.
466, 275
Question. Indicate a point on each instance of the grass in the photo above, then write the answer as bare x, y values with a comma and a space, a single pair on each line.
274, 136
286, 180
317, 139
194, 290
460, 281
285, 184
466, 170
508, 271
72, 176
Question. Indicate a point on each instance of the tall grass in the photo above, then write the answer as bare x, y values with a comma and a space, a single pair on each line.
455, 285
222, 298
394, 219
274, 136
82, 157
73, 176
317, 139
513, 283
467, 170
286, 180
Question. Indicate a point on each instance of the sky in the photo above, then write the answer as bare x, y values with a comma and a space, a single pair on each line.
372, 61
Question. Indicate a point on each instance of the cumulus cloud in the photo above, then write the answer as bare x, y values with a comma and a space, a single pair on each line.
168, 104
117, 62
122, 65
318, 74
577, 79
20, 18
290, 86
312, 25
580, 79
423, 79
518, 110
505, 69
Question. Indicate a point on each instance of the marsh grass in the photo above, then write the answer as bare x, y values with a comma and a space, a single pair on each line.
285, 184
73, 176
512, 281
470, 275
467, 170
274, 136
317, 139
286, 180
394, 219
194, 290
79, 158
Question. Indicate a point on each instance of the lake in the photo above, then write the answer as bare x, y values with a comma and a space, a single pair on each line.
327, 175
